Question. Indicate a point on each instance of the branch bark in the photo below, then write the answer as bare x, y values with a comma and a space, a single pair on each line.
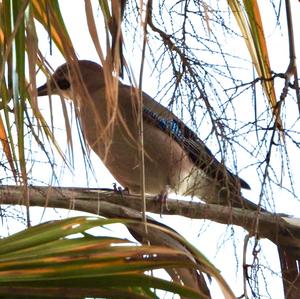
109, 203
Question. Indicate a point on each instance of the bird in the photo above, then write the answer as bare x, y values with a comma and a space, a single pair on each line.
175, 158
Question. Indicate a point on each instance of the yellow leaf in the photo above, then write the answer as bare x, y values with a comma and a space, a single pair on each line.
249, 20
6, 148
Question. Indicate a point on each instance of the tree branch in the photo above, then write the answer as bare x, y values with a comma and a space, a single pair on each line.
109, 203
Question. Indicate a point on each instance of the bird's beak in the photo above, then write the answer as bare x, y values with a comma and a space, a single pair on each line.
42, 90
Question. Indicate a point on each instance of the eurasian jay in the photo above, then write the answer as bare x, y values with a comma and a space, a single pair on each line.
175, 157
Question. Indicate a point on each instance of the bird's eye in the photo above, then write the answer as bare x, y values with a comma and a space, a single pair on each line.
63, 84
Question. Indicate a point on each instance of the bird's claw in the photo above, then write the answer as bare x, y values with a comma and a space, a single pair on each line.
119, 189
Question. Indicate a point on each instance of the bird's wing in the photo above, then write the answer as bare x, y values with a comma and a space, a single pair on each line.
199, 153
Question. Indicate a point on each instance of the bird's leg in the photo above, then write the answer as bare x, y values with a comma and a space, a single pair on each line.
162, 197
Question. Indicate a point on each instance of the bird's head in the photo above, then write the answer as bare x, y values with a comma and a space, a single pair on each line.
67, 77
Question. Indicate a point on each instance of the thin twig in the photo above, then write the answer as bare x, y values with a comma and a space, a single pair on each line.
141, 124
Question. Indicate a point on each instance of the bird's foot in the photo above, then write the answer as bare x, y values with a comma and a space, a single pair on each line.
120, 190
162, 198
